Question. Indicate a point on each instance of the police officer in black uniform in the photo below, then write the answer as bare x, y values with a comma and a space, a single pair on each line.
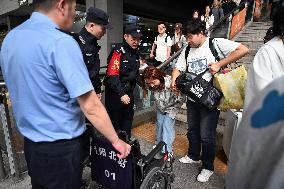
97, 21
122, 73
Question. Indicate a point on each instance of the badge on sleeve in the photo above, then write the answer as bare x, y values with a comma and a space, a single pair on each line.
114, 64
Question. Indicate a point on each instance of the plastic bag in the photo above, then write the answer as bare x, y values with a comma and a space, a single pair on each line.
232, 84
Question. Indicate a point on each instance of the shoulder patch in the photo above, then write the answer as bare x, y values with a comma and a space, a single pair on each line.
82, 40
114, 64
122, 49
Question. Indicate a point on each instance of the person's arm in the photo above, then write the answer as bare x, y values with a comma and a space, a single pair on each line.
97, 115
169, 44
235, 55
112, 75
211, 20
175, 74
180, 66
168, 52
98, 86
152, 50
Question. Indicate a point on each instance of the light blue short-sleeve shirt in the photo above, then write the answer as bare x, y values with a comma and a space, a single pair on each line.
44, 72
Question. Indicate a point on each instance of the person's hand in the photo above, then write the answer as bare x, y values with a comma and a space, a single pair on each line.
174, 87
125, 99
214, 68
122, 148
151, 56
99, 95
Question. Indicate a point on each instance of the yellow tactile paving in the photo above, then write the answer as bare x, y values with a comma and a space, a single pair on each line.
147, 132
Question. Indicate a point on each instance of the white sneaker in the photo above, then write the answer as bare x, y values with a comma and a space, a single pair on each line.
187, 159
204, 175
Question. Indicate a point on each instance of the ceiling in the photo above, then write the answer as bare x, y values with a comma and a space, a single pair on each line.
159, 10
166, 10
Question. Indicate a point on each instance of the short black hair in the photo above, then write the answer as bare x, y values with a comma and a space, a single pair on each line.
278, 22
45, 4
196, 11
195, 26
162, 23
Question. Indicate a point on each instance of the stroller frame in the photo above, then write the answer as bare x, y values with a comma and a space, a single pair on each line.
148, 171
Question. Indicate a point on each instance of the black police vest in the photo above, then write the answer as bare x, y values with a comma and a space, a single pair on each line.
129, 66
90, 51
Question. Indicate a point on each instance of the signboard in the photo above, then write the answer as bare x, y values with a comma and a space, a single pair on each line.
238, 23
106, 168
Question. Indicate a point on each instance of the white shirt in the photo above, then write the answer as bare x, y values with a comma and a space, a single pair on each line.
181, 40
208, 20
143, 66
268, 64
161, 49
199, 58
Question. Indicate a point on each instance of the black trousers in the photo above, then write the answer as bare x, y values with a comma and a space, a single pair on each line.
121, 115
55, 165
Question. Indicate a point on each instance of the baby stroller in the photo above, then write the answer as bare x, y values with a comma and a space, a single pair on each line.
134, 172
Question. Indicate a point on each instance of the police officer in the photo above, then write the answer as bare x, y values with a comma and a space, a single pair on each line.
97, 21
121, 75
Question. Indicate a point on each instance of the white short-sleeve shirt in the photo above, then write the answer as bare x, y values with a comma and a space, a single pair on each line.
198, 59
162, 45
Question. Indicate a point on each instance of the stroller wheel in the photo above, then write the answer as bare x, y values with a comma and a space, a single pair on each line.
155, 179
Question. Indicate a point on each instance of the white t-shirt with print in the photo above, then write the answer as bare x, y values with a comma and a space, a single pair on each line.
162, 45
198, 59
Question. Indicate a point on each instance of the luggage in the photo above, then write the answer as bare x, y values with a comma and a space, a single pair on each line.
232, 121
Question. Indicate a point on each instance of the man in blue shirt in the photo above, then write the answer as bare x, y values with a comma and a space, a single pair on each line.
50, 92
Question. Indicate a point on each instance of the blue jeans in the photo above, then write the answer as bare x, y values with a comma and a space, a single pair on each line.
202, 124
165, 130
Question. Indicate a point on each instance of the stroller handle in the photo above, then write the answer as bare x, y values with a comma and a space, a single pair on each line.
156, 150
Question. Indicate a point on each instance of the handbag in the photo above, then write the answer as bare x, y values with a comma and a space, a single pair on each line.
200, 90
232, 84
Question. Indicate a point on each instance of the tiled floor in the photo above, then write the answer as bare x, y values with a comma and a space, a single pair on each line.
147, 132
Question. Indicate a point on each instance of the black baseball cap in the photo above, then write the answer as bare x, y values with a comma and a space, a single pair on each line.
98, 16
133, 30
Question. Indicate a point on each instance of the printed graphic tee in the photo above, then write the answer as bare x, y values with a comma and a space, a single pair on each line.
198, 59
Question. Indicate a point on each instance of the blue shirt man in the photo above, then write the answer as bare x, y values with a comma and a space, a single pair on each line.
44, 72
50, 90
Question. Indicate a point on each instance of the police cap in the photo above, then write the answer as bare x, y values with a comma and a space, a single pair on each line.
98, 16
133, 30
